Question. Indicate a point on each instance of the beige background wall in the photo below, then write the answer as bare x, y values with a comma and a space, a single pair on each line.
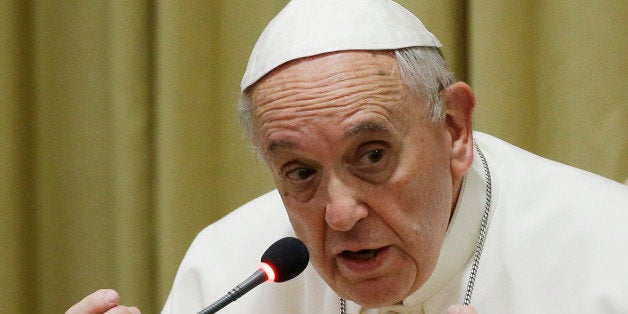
119, 138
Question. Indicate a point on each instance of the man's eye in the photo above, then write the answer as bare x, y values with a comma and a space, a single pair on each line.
299, 174
373, 156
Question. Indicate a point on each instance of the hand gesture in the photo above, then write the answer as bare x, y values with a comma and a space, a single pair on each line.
100, 302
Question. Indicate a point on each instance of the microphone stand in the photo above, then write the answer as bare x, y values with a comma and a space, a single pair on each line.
253, 281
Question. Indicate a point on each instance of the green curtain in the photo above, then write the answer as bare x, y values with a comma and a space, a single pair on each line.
119, 138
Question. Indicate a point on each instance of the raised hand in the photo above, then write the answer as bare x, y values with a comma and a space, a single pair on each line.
100, 302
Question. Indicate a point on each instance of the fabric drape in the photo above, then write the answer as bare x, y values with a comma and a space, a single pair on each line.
119, 138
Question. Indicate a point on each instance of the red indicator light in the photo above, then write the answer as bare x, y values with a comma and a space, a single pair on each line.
270, 272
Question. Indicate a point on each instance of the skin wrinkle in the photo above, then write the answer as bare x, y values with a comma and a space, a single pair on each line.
330, 84
411, 62
311, 110
326, 95
319, 114
279, 122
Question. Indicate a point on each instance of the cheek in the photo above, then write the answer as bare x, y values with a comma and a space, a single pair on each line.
302, 223
424, 202
311, 229
428, 205
309, 226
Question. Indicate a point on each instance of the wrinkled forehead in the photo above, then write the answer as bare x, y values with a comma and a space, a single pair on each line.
330, 81
333, 69
307, 28
338, 87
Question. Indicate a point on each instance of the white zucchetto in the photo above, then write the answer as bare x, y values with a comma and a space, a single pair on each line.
310, 27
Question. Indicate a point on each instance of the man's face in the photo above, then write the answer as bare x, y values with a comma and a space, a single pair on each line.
362, 170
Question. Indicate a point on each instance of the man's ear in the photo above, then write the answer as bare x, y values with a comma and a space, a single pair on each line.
459, 101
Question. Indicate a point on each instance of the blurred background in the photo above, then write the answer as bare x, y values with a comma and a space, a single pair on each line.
119, 137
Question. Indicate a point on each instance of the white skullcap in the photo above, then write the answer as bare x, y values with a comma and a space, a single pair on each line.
310, 27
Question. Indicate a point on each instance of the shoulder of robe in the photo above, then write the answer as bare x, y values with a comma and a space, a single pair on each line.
250, 228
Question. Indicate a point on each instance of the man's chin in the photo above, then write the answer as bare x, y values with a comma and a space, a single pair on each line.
374, 304
375, 295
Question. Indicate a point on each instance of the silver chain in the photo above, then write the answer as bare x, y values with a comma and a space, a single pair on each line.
343, 306
483, 225
481, 238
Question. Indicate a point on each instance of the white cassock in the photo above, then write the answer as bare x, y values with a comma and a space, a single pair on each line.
557, 242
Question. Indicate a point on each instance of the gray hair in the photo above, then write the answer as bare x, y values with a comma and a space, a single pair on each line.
423, 70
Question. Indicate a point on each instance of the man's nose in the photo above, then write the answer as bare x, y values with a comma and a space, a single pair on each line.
344, 208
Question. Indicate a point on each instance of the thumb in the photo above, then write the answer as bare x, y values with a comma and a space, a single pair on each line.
461, 309
97, 302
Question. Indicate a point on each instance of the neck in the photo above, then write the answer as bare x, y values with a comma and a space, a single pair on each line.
457, 185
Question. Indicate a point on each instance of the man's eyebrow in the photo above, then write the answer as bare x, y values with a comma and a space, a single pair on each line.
367, 127
276, 144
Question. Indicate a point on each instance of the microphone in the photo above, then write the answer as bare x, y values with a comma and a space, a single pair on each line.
282, 261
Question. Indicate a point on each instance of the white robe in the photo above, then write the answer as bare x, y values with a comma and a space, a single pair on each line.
557, 243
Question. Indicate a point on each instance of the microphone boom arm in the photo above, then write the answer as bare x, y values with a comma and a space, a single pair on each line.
253, 281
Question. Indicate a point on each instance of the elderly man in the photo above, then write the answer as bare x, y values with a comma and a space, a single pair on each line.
403, 208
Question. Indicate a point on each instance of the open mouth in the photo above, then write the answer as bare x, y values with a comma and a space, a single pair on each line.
362, 255
365, 262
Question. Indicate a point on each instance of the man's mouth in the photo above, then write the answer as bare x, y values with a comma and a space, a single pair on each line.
362, 255
364, 262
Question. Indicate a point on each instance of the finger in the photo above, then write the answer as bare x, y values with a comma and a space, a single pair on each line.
96, 303
461, 309
121, 309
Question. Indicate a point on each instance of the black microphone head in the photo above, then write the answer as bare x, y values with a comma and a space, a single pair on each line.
288, 257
